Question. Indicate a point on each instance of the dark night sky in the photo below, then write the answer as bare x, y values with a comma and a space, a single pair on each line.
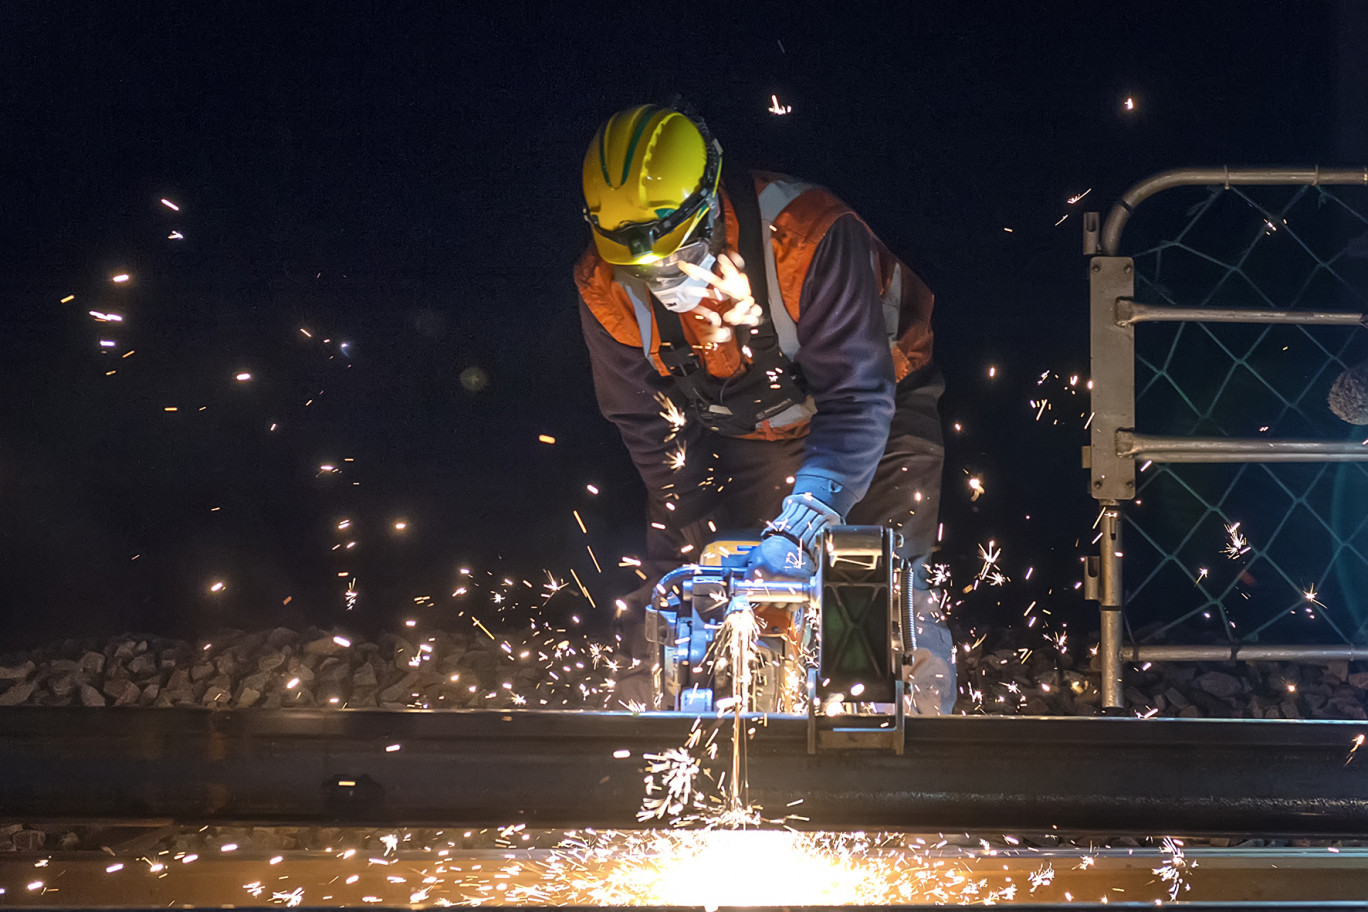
404, 177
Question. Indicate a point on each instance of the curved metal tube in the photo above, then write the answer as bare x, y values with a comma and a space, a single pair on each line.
662, 588
1110, 240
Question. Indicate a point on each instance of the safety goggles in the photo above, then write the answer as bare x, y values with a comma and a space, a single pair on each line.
641, 238
665, 272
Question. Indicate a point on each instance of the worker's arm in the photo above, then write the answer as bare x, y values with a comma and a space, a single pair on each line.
844, 355
626, 386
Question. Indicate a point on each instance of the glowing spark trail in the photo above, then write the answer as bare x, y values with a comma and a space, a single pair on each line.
1353, 749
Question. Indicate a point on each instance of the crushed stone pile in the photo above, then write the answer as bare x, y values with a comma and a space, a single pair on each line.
1010, 673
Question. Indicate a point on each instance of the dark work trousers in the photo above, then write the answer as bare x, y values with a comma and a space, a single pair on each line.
754, 476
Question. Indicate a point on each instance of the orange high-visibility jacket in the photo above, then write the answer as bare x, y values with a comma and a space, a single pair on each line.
853, 317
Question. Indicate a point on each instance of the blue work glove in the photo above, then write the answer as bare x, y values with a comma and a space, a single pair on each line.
788, 547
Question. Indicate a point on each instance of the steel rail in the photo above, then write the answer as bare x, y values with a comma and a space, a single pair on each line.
560, 769
1276, 877
1110, 240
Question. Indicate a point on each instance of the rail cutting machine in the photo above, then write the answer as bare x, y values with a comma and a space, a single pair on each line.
832, 646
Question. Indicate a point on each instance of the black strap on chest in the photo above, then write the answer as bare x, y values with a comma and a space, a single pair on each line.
771, 383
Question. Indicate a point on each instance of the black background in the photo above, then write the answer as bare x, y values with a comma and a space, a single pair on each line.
404, 177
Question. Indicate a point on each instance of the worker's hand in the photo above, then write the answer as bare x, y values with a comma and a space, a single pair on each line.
777, 557
789, 545
732, 285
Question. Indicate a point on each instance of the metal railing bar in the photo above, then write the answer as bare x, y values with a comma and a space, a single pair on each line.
1120, 213
1237, 652
1130, 311
1236, 449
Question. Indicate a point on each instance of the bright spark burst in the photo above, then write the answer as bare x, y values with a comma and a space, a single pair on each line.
674, 417
1044, 876
1173, 870
990, 555
1236, 543
938, 576
777, 108
711, 868
670, 785
675, 459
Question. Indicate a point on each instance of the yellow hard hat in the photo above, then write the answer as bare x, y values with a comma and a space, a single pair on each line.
650, 176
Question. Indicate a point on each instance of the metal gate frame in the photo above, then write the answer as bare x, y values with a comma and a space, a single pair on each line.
1116, 443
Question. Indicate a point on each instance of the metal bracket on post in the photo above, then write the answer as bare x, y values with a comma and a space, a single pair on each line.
1113, 377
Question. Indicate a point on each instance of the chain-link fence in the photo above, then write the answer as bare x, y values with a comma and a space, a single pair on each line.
1247, 519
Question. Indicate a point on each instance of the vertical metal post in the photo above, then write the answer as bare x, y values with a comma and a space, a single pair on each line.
1110, 602
1112, 476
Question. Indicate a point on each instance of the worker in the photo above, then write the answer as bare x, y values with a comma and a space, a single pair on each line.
767, 362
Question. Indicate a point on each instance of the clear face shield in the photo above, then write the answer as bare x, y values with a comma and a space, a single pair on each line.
668, 282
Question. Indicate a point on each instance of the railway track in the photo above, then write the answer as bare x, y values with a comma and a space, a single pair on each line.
541, 808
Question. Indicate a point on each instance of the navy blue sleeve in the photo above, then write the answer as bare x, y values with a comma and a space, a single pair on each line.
626, 386
844, 355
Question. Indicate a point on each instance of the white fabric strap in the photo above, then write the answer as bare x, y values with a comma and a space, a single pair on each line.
773, 199
639, 295
892, 298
